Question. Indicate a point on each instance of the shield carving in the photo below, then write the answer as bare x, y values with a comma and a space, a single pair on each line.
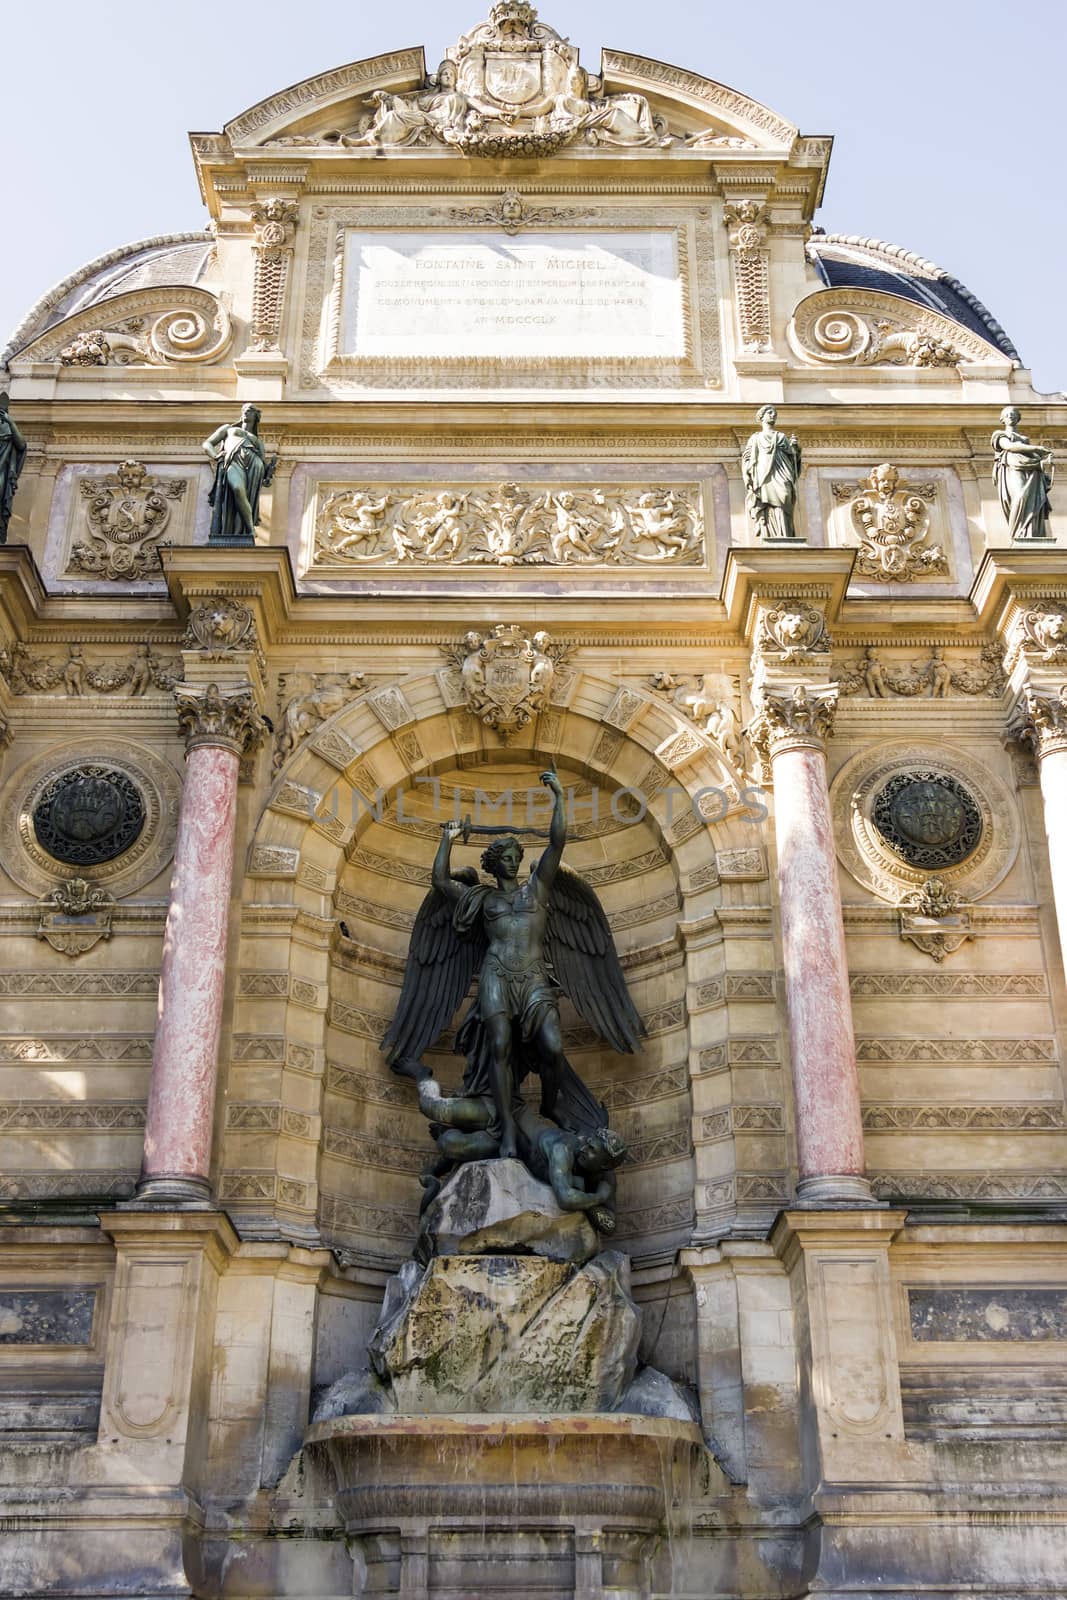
507, 681
513, 78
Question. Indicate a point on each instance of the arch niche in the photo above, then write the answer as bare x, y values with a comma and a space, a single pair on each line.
349, 835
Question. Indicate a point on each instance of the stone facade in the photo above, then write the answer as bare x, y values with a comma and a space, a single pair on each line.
508, 365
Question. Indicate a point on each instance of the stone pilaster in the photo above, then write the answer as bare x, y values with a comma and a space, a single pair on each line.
838, 1265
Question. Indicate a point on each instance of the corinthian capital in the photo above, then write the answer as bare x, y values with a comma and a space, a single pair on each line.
230, 719
1041, 720
802, 718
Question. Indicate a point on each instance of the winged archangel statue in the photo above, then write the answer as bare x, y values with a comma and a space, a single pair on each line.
529, 943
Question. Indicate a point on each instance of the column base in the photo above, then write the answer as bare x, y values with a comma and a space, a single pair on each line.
170, 1191
830, 1190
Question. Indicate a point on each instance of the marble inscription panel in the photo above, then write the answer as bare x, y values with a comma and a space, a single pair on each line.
41, 1316
952, 1315
566, 295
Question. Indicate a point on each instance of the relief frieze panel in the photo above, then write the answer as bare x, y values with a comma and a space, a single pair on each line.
508, 525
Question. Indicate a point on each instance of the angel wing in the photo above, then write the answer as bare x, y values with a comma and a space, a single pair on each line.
439, 969
585, 963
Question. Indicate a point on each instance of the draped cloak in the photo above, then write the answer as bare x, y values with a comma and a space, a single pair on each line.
245, 451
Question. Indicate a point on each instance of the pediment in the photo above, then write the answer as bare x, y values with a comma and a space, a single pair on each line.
512, 86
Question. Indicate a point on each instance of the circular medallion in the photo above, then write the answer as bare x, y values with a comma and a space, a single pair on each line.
928, 818
89, 815
106, 807
905, 809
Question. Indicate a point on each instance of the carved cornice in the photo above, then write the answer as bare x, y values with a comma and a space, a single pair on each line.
230, 720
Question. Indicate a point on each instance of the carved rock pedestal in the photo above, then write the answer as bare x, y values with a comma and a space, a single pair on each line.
508, 1333
495, 1207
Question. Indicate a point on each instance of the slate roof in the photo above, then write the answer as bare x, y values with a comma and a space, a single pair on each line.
847, 261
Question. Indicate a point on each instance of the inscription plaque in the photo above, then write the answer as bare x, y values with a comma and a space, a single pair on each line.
456, 295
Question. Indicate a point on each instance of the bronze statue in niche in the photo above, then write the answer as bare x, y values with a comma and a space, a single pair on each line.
529, 943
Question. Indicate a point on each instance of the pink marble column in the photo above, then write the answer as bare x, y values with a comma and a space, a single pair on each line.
829, 1129
181, 1096
1045, 726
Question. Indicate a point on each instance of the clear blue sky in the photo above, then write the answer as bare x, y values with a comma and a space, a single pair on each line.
948, 117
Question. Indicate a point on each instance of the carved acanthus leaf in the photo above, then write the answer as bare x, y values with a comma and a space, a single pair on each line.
802, 718
209, 716
1041, 721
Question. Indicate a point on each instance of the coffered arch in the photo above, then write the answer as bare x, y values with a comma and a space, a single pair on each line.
348, 836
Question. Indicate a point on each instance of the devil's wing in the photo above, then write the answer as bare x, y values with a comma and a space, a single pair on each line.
586, 964
438, 973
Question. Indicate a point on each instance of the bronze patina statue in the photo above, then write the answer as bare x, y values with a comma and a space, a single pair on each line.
241, 471
12, 459
529, 942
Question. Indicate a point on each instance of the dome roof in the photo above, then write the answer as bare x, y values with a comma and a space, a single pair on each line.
168, 259
844, 260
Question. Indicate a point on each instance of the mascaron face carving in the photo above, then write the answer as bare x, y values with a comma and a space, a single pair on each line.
792, 629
